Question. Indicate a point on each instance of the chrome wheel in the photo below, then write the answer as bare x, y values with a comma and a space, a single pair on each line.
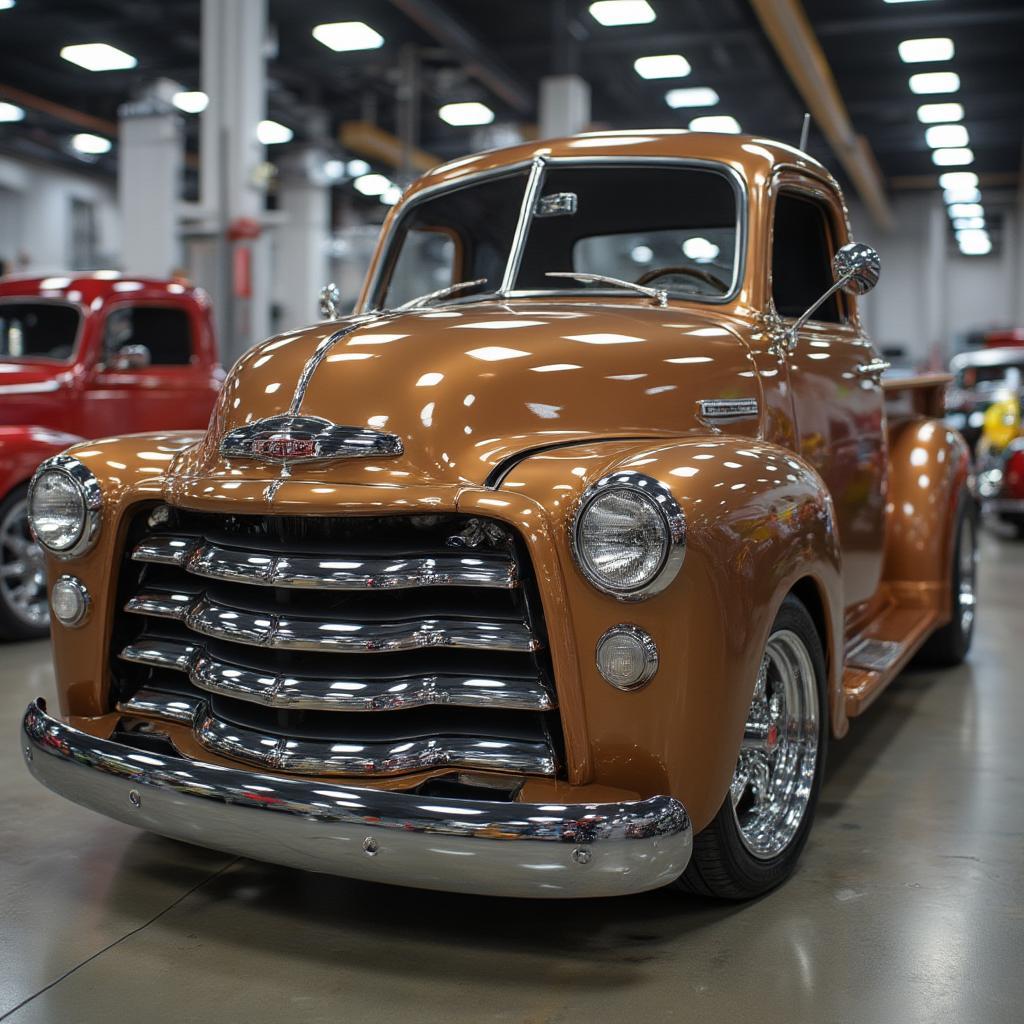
774, 776
22, 572
968, 565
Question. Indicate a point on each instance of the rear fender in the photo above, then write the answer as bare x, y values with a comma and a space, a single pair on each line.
22, 448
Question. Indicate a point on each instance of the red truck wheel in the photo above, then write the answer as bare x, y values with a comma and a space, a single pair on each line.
24, 612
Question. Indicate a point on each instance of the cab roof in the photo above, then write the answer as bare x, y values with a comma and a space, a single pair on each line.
85, 287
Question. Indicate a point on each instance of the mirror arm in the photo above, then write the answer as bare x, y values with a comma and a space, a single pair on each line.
794, 331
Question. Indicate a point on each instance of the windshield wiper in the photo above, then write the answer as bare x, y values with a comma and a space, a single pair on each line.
658, 295
441, 293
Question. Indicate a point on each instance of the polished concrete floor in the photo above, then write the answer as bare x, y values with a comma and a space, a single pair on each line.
908, 905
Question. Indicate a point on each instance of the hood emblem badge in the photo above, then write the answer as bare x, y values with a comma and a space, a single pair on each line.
288, 439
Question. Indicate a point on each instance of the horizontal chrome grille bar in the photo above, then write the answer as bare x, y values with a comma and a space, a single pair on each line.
157, 704
310, 693
339, 571
263, 629
320, 757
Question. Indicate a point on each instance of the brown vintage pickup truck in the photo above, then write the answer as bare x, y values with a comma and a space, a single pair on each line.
555, 581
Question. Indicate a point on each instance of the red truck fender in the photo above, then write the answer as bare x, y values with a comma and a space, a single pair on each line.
23, 448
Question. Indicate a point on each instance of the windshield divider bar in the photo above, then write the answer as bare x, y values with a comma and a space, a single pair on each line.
530, 197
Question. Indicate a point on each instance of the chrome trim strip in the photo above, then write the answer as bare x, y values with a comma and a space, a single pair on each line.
276, 438
392, 693
675, 529
727, 410
175, 707
269, 629
92, 496
526, 213
379, 758
498, 848
339, 571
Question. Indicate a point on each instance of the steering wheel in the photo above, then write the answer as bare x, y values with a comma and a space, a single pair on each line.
701, 275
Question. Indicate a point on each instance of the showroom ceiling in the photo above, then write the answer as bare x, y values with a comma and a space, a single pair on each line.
511, 44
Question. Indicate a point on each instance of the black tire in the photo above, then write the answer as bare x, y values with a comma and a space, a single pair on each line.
722, 866
15, 622
948, 645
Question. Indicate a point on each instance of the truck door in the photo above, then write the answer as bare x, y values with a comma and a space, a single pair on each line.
834, 377
152, 374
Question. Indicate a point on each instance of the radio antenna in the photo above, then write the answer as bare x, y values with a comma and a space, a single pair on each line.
804, 131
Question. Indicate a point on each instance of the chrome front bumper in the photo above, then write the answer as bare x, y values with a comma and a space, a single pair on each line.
487, 847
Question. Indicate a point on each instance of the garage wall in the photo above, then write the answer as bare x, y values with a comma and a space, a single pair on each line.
36, 217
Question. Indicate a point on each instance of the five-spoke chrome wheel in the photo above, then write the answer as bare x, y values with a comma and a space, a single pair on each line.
774, 777
22, 571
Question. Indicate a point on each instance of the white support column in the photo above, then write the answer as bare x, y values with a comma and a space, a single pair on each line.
233, 73
302, 238
564, 105
150, 155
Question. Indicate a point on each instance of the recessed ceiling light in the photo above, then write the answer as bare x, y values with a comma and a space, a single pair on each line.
961, 195
966, 210
344, 36
952, 157
98, 57
698, 96
271, 133
461, 114
958, 179
968, 223
940, 113
934, 82
667, 65
974, 242
372, 184
93, 145
191, 102
622, 12
917, 51
9, 112
355, 168
941, 136
716, 123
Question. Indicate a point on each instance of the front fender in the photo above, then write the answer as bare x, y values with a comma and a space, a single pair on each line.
22, 448
759, 519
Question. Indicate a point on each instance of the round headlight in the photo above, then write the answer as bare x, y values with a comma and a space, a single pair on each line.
628, 536
64, 506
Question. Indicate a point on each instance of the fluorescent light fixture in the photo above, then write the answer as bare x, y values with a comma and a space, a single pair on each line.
918, 51
716, 123
191, 102
461, 114
957, 210
944, 136
952, 157
940, 113
958, 179
344, 36
391, 195
961, 195
93, 145
667, 65
271, 133
6, 5
697, 96
968, 223
934, 82
98, 57
356, 168
9, 112
622, 12
974, 242
372, 184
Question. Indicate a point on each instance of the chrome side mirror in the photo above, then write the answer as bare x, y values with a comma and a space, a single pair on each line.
131, 357
330, 302
855, 270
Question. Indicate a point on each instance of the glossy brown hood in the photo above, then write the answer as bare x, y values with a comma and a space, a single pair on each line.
467, 386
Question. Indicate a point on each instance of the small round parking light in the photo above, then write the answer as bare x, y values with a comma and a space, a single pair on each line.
69, 601
627, 657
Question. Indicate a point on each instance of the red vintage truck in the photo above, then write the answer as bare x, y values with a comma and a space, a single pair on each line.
81, 356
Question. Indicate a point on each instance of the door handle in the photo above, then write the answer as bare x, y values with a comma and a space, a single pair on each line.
873, 369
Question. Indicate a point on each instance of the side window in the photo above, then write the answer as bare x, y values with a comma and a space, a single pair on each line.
165, 331
802, 258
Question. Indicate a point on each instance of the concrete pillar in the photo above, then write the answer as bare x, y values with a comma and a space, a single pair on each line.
150, 155
301, 255
232, 188
564, 105
935, 289
1018, 235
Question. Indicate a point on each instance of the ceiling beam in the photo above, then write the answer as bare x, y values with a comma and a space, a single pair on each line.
480, 62
790, 33
369, 140
918, 22
58, 111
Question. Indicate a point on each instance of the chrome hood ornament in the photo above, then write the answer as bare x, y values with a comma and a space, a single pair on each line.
288, 438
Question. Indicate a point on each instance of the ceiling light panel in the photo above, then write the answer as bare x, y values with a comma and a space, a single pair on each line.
958, 179
372, 184
940, 136
461, 114
271, 133
697, 96
961, 195
957, 210
716, 123
622, 12
940, 113
928, 82
98, 57
346, 36
9, 112
666, 65
952, 157
191, 102
919, 51
92, 145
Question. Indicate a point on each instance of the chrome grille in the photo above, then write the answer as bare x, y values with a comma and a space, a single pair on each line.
274, 637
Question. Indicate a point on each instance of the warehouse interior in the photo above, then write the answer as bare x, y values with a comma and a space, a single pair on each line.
241, 155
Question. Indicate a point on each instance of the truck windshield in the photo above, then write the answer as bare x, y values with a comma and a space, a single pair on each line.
673, 226
38, 330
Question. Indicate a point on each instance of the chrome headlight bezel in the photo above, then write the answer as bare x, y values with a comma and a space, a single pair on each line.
673, 521
92, 504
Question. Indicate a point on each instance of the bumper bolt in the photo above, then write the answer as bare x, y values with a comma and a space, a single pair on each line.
134, 798
370, 847
581, 855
